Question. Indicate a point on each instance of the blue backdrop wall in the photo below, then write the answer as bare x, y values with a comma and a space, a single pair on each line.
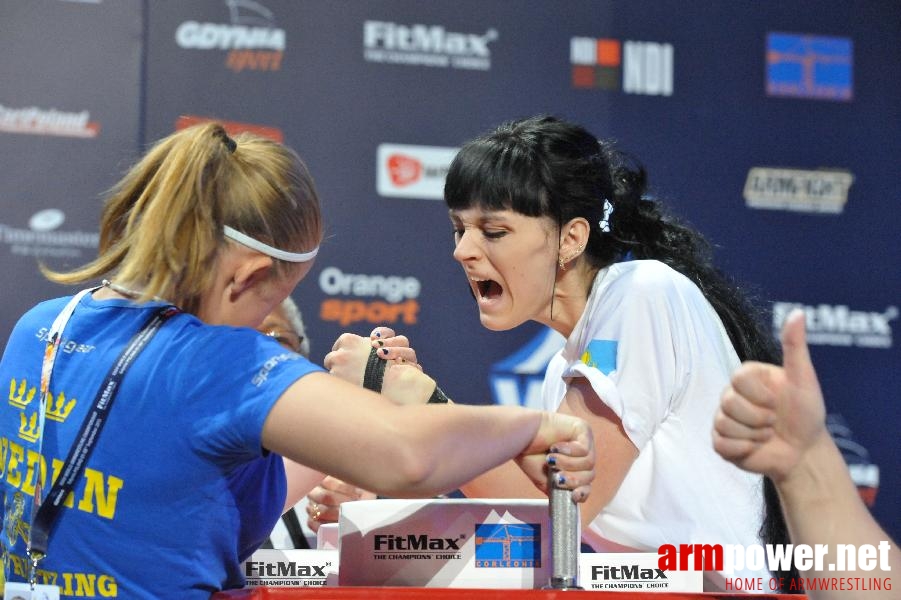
773, 127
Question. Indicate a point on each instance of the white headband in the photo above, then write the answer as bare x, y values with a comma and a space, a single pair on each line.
246, 240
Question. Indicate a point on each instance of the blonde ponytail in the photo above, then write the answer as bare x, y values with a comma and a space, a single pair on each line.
162, 225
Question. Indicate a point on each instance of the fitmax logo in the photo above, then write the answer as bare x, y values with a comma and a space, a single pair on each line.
428, 46
838, 325
383, 542
282, 569
421, 38
626, 573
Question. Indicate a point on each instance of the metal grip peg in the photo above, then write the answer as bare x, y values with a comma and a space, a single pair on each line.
565, 536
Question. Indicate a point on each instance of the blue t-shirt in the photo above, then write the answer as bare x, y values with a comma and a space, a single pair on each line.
179, 488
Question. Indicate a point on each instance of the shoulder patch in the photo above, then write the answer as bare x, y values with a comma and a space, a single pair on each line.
601, 355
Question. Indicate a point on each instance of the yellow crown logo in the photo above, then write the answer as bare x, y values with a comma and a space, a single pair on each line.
28, 427
59, 410
19, 398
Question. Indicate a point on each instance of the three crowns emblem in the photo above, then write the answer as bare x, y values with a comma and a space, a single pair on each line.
20, 396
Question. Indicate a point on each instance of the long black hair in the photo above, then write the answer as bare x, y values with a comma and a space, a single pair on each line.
544, 166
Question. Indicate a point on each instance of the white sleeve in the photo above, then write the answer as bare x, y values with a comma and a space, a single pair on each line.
630, 358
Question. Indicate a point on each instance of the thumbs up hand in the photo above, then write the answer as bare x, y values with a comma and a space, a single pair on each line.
770, 415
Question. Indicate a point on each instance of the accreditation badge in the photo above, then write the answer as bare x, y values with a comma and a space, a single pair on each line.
16, 590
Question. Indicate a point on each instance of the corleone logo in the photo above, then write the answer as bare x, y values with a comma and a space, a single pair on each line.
809, 66
426, 45
635, 67
252, 39
405, 171
838, 325
232, 127
508, 545
817, 191
39, 121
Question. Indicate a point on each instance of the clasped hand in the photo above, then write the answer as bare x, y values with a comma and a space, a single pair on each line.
562, 443
404, 382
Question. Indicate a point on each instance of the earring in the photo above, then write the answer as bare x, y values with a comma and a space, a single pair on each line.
562, 261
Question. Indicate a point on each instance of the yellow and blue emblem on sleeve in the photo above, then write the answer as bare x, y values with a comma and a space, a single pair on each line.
601, 355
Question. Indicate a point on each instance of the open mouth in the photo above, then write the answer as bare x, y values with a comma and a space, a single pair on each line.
488, 289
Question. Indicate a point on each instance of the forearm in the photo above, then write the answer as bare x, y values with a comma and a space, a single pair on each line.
822, 506
363, 438
462, 441
509, 480
301, 480
504, 481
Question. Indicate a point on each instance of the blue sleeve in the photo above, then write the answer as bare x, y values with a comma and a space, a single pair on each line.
240, 383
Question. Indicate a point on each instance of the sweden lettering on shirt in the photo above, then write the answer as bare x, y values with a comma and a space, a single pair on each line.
81, 585
99, 491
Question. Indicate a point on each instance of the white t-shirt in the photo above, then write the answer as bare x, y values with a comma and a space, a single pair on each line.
655, 351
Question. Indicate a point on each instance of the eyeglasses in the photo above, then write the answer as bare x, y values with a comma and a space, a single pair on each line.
288, 339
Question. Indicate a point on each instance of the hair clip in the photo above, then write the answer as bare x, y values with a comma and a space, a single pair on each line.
604, 223
231, 144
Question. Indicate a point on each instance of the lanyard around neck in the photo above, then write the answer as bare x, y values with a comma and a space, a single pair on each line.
54, 339
44, 513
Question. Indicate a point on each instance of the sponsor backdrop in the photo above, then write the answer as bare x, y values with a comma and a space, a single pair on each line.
772, 127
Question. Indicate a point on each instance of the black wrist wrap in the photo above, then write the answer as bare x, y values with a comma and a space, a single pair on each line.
375, 371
